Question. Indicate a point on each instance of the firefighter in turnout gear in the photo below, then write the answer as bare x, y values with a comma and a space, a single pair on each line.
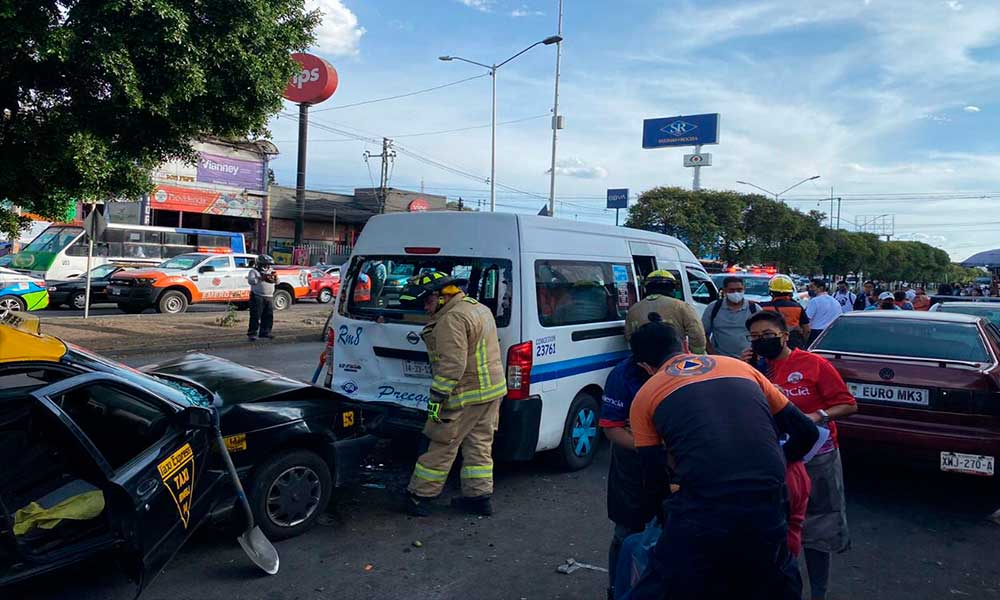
467, 386
660, 288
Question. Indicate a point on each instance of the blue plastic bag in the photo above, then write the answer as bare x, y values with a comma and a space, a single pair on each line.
634, 558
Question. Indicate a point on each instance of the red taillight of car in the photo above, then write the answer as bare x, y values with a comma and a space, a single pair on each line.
421, 250
519, 361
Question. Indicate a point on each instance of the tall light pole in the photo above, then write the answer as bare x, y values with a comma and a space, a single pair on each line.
781, 193
556, 119
554, 39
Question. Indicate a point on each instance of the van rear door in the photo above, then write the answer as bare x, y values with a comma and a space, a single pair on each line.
378, 354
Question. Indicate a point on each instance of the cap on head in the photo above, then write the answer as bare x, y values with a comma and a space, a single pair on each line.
886, 296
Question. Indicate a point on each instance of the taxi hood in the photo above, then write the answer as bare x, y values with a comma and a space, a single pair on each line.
233, 383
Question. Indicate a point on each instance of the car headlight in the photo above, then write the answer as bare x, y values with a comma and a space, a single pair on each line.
53, 289
144, 282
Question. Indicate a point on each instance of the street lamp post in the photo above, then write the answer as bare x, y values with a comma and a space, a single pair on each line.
554, 39
781, 193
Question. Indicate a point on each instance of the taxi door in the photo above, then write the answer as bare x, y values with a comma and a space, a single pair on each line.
156, 478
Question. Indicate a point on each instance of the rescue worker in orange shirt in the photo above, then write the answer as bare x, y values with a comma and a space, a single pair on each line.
782, 288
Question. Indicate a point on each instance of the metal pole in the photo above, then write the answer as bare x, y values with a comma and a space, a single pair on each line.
555, 123
696, 185
300, 179
838, 213
493, 145
616, 217
90, 256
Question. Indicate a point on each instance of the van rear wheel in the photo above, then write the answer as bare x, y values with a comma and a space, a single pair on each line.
580, 434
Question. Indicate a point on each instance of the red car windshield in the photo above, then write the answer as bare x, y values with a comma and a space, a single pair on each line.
913, 338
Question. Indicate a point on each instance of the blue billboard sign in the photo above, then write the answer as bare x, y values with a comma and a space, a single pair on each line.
618, 198
691, 130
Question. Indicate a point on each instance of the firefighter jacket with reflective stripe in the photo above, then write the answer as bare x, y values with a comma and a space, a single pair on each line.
464, 350
676, 313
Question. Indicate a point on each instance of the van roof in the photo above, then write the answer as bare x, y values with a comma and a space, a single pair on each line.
445, 228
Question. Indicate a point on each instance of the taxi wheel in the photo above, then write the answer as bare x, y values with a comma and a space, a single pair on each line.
172, 302
289, 493
282, 300
580, 434
325, 295
10, 303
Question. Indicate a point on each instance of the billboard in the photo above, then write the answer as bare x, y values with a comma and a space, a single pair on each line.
169, 197
690, 130
618, 198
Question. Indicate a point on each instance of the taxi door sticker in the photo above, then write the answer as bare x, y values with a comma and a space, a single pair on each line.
236, 443
177, 473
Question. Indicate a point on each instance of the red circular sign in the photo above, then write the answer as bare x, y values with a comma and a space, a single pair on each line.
419, 205
315, 82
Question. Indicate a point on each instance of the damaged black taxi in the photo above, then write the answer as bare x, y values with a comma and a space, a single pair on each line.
100, 457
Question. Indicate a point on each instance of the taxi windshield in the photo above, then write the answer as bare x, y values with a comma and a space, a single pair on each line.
177, 392
182, 262
757, 286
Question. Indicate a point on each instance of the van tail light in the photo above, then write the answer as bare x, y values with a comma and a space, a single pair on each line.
519, 360
421, 250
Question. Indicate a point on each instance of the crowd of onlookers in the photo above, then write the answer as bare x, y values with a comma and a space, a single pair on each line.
972, 288
876, 295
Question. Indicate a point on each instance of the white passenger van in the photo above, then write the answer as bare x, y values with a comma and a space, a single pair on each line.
559, 290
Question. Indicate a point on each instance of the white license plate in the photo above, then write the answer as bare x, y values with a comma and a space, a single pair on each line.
417, 368
890, 393
114, 291
972, 464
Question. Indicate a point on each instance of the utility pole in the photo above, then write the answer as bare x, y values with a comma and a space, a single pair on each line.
461, 204
557, 122
387, 154
300, 176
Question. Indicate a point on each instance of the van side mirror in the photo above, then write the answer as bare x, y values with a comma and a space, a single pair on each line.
198, 417
206, 269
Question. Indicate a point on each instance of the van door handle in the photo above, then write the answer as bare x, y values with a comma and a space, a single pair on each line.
146, 488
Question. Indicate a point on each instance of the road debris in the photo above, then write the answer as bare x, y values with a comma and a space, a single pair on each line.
571, 565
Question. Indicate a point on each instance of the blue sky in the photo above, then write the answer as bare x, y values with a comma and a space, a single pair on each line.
891, 102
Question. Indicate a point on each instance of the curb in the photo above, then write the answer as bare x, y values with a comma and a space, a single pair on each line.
198, 345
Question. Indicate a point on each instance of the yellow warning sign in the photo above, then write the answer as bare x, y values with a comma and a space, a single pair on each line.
236, 443
177, 473
348, 417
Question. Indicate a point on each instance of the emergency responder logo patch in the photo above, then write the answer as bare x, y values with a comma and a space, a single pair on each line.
687, 366
177, 473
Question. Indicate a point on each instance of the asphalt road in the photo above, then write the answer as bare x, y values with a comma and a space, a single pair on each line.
916, 536
100, 310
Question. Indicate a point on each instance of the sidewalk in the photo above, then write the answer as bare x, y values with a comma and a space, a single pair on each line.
134, 334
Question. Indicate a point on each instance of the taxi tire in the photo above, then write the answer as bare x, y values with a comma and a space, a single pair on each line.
565, 454
265, 476
13, 301
325, 296
77, 300
172, 298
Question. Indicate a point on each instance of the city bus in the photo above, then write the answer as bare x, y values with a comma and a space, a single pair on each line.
60, 252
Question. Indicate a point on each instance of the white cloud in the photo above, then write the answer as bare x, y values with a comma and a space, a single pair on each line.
480, 5
577, 167
971, 109
954, 5
525, 12
338, 34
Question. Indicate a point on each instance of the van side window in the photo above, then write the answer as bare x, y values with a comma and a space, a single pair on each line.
578, 292
702, 289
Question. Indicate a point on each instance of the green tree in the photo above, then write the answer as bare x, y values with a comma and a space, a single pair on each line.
707, 221
94, 94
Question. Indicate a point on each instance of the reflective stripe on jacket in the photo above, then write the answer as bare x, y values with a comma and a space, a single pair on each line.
464, 350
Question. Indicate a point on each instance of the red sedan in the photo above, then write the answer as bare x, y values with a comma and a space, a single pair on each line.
927, 386
323, 285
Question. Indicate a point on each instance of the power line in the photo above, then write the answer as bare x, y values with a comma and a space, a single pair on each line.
426, 133
398, 96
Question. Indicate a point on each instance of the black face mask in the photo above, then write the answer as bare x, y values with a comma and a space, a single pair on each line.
769, 348
812, 293
888, 305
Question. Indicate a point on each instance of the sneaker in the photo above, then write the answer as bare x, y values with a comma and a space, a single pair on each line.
415, 506
251, 337
479, 505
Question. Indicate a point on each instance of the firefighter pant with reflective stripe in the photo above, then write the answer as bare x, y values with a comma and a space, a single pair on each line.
470, 428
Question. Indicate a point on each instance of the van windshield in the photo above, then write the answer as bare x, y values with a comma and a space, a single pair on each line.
376, 283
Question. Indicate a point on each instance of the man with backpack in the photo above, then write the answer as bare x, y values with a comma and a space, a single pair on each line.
725, 320
844, 296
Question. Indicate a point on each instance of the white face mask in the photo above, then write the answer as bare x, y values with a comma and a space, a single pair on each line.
735, 297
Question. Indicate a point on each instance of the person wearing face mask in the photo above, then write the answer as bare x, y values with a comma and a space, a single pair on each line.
816, 388
844, 296
724, 320
886, 301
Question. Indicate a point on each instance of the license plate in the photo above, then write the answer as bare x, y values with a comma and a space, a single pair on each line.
114, 291
890, 393
417, 368
971, 464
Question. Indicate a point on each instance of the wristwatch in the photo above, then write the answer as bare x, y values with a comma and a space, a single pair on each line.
824, 417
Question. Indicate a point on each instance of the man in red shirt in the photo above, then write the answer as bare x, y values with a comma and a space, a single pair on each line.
816, 388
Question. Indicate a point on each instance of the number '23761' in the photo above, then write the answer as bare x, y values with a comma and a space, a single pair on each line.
545, 349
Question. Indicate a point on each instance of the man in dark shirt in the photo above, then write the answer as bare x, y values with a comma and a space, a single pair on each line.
716, 422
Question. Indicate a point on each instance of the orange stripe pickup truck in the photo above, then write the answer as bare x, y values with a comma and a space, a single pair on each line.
198, 277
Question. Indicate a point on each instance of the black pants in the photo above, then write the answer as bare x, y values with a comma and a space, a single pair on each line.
722, 551
261, 315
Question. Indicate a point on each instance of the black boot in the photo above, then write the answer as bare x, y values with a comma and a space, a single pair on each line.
478, 505
415, 506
